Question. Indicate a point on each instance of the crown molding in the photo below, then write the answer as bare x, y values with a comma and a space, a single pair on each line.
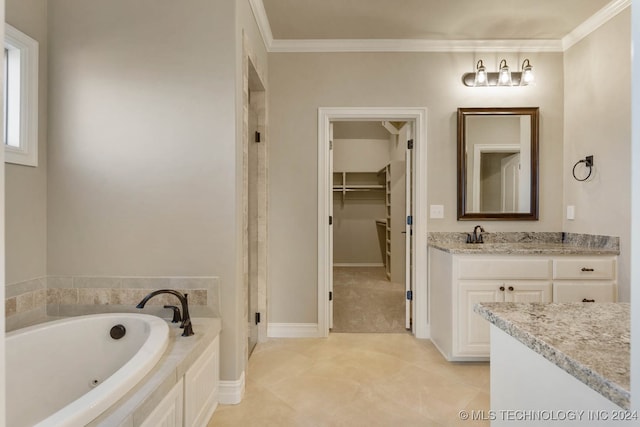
260, 14
406, 45
421, 45
594, 22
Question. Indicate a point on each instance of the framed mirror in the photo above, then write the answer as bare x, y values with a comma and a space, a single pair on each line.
498, 163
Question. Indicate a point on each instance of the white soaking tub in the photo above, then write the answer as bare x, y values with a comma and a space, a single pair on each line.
67, 372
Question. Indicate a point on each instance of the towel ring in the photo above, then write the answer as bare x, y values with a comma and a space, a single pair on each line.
588, 163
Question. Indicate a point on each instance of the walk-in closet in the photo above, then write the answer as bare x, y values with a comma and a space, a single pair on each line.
369, 216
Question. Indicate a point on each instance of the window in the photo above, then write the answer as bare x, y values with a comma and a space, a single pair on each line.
20, 98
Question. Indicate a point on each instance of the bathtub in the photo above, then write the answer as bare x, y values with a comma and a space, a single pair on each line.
67, 372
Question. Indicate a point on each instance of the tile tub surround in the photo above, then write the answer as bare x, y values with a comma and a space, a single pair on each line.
42, 299
589, 341
25, 303
527, 243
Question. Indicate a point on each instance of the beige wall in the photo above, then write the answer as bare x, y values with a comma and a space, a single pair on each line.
598, 122
300, 83
144, 158
25, 186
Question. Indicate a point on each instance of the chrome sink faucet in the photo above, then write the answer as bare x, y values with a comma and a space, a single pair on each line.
186, 319
476, 237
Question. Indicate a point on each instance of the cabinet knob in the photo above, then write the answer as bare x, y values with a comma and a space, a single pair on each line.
587, 269
588, 300
502, 288
511, 288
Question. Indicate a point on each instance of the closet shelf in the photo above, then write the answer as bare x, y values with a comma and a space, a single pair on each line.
358, 187
351, 182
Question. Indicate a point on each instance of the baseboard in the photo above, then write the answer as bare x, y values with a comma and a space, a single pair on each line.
358, 264
231, 392
424, 332
292, 330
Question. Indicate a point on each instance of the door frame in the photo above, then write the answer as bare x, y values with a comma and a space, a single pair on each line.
419, 117
478, 150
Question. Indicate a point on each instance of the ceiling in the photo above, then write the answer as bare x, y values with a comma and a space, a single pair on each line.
429, 20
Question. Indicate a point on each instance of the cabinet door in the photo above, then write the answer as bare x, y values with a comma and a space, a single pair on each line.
581, 291
201, 387
527, 291
473, 330
168, 413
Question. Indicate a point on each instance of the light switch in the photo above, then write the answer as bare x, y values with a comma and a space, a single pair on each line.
571, 212
437, 212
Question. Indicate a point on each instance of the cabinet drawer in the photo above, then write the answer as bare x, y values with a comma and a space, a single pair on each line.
585, 268
504, 268
579, 291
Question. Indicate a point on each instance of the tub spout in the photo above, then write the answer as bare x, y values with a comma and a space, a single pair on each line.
186, 319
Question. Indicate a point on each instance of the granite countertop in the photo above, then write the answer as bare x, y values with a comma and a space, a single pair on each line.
527, 243
589, 341
509, 248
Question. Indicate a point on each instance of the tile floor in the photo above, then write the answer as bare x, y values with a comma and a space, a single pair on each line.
356, 380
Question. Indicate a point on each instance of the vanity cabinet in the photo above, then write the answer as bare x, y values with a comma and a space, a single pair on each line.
459, 281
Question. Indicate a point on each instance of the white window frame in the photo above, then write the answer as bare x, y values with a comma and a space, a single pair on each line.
24, 52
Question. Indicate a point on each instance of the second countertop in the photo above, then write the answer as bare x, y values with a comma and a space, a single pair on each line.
589, 341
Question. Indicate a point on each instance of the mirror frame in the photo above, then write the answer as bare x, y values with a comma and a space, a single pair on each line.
463, 113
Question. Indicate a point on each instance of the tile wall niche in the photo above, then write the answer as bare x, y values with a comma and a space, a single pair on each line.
48, 298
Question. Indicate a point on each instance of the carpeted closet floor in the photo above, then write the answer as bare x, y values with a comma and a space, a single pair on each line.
364, 300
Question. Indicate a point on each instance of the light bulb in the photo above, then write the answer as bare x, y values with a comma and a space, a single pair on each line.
504, 75
527, 73
481, 74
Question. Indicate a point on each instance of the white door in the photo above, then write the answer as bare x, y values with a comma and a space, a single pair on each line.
510, 174
408, 279
331, 226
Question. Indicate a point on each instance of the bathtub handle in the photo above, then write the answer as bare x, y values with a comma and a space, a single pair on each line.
176, 313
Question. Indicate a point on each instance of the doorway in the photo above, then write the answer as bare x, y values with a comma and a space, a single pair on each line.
254, 201
416, 222
370, 210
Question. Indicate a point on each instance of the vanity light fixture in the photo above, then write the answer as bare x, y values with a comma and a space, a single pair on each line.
503, 77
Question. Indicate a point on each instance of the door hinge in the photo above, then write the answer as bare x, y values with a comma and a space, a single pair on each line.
257, 318
410, 220
330, 145
330, 220
330, 295
410, 295
257, 138
410, 144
